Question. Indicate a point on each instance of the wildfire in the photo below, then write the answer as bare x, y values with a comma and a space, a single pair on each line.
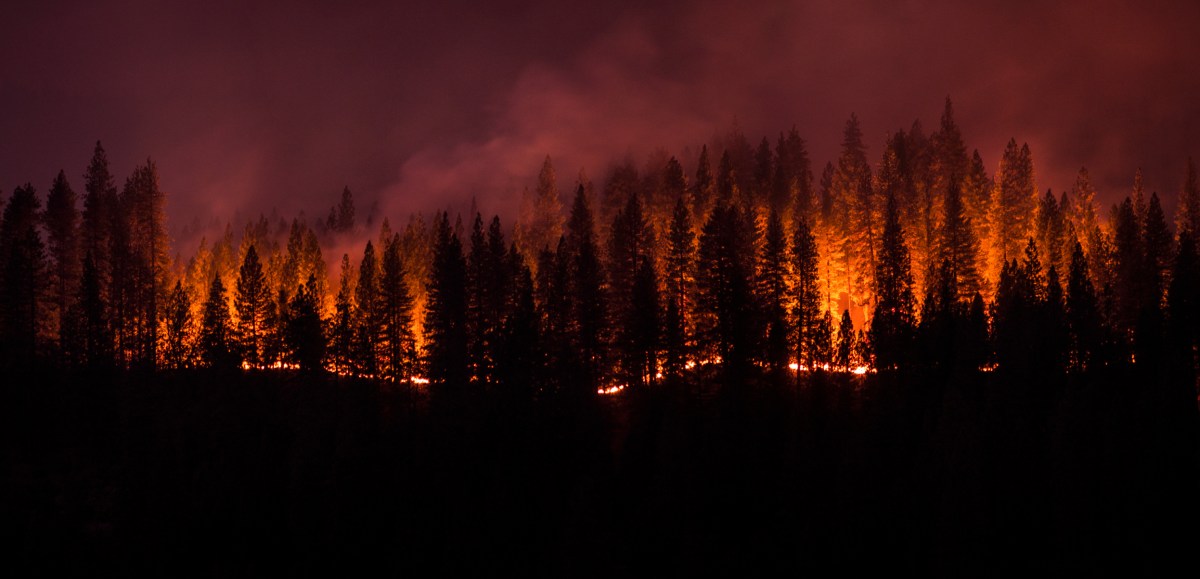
614, 389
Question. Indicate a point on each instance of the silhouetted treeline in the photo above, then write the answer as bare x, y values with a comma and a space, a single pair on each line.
913, 365
922, 261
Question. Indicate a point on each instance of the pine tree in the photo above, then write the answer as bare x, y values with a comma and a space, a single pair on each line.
1083, 317
62, 236
852, 187
520, 361
99, 213
846, 343
341, 343
23, 298
726, 180
792, 181
305, 336
141, 257
96, 342
892, 323
252, 302
345, 212
1157, 245
215, 342
725, 308
541, 216
1130, 270
821, 352
806, 296
773, 292
680, 290
959, 245
646, 323
703, 187
446, 309
1014, 199
395, 316
177, 352
368, 325
1051, 231
950, 162
764, 169
588, 328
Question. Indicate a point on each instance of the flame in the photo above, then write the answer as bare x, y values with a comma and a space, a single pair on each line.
617, 388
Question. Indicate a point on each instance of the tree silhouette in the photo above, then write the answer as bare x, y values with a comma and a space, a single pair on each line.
773, 291
893, 325
23, 287
305, 337
179, 331
396, 316
252, 302
678, 335
62, 236
588, 325
215, 342
368, 323
446, 309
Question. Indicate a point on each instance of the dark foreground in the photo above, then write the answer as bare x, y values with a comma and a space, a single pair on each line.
280, 473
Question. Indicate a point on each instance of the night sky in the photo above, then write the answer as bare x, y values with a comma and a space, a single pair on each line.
421, 105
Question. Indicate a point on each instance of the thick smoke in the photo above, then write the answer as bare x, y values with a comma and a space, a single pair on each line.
420, 107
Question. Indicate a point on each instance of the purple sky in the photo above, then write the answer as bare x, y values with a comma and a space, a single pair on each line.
419, 105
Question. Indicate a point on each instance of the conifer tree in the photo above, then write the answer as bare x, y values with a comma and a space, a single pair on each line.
646, 323
305, 336
144, 257
773, 292
806, 295
680, 290
1187, 217
821, 352
703, 187
341, 342
519, 364
99, 213
959, 245
368, 325
395, 315
792, 181
1083, 317
252, 303
1157, 244
1014, 199
588, 327
97, 339
1051, 231
215, 342
446, 309
23, 299
726, 180
541, 216
892, 323
177, 352
851, 186
1129, 278
725, 308
62, 236
846, 343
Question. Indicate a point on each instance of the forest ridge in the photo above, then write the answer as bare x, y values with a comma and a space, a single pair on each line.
752, 263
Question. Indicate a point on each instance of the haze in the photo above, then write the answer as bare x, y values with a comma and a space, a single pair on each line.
418, 106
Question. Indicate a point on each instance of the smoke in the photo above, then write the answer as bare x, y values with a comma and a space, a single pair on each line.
421, 107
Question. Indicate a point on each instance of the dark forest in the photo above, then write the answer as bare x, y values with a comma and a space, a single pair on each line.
732, 362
